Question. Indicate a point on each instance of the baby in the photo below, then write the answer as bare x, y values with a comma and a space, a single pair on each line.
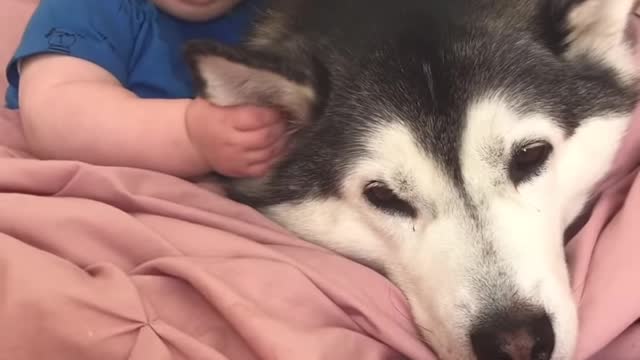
112, 71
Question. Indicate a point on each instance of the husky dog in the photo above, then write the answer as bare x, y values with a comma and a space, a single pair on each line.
445, 143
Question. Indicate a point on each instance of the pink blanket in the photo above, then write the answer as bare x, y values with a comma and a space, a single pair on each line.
116, 263
113, 263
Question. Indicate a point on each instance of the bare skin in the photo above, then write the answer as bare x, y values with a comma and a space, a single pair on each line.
181, 137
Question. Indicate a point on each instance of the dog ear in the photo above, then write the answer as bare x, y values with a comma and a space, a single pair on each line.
600, 30
229, 76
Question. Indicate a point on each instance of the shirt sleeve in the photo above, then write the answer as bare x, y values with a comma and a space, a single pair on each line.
100, 31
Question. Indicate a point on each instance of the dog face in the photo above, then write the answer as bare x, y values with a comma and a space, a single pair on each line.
450, 149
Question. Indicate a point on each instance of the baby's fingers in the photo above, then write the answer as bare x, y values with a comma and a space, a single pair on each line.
250, 118
263, 138
267, 154
267, 159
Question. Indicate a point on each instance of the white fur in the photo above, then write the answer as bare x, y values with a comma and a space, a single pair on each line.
431, 259
437, 259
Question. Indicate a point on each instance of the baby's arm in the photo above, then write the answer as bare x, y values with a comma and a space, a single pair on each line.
73, 109
69, 72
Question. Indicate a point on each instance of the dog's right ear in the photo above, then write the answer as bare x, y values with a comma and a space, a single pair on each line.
600, 30
229, 76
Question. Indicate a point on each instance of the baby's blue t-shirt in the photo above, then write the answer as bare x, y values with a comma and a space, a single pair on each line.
132, 39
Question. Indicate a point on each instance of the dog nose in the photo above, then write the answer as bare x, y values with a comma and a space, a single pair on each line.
514, 337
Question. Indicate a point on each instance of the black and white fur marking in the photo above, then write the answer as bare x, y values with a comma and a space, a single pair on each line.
447, 143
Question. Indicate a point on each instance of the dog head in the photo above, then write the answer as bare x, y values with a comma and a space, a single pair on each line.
448, 145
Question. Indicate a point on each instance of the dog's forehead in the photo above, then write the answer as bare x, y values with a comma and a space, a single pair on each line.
475, 157
434, 87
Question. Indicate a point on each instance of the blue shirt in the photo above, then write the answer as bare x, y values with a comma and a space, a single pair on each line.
132, 39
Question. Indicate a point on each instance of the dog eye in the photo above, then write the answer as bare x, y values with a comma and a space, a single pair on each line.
385, 199
528, 160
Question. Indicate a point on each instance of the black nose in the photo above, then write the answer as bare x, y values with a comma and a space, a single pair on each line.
514, 336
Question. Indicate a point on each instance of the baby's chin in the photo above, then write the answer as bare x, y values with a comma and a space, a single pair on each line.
196, 10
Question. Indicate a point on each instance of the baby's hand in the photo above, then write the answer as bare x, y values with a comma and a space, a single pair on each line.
242, 141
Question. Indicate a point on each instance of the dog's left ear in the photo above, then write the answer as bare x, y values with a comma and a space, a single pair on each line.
597, 29
229, 76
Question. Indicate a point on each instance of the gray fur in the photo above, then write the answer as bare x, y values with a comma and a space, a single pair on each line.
358, 66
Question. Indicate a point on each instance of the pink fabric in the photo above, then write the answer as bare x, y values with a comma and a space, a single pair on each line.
114, 263
603, 260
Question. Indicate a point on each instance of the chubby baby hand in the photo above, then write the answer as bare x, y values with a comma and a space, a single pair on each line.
240, 141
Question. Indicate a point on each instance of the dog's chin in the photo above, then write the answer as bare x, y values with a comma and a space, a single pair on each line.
448, 343
445, 321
